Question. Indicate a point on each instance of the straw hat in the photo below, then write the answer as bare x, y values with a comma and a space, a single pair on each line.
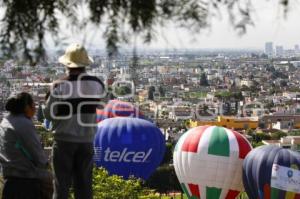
75, 57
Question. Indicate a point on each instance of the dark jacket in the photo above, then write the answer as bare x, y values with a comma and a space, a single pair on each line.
21, 152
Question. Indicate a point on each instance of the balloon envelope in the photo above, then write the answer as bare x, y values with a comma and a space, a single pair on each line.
208, 162
129, 146
117, 108
271, 172
47, 124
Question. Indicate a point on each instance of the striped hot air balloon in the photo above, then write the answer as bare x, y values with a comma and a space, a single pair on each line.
208, 162
117, 108
271, 172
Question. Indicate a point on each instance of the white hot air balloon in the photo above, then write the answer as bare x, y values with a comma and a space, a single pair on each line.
208, 162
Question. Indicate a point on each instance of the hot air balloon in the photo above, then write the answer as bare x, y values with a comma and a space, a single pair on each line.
208, 162
271, 172
47, 124
129, 146
117, 108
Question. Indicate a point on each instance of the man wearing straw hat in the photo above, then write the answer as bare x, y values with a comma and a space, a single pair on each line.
71, 107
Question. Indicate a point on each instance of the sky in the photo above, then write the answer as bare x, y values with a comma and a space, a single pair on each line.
270, 25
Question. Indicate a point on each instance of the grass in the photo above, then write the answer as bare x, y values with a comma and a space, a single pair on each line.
197, 94
176, 197
241, 196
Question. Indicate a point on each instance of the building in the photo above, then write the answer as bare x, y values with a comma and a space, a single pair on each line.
180, 113
229, 122
279, 51
283, 125
280, 121
269, 48
297, 48
246, 82
289, 142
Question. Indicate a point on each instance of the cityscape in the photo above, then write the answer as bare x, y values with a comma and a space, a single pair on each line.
155, 99
253, 92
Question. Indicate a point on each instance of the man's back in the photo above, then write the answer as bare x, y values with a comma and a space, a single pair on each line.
72, 105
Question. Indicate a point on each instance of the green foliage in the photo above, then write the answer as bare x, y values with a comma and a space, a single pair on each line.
258, 137
151, 91
283, 83
161, 91
111, 187
250, 132
278, 135
40, 115
257, 144
197, 94
203, 80
168, 154
294, 133
123, 90
227, 95
164, 180
26, 22
278, 74
46, 136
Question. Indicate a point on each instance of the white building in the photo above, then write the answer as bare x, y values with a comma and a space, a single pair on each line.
279, 51
289, 142
246, 82
269, 48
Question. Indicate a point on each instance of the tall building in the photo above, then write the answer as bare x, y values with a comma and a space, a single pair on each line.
269, 48
297, 48
279, 51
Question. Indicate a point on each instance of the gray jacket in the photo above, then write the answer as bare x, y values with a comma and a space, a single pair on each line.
71, 107
21, 152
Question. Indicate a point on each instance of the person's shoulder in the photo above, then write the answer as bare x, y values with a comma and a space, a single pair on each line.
87, 77
24, 120
59, 81
19, 122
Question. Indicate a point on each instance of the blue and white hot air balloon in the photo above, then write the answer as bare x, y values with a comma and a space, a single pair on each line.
129, 146
47, 124
272, 172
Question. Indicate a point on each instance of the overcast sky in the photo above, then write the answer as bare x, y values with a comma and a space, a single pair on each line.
270, 25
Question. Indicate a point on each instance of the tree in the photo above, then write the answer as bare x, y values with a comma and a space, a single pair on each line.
168, 154
112, 186
283, 83
278, 135
40, 115
164, 180
25, 23
161, 91
203, 80
46, 137
123, 90
237, 98
151, 91
295, 133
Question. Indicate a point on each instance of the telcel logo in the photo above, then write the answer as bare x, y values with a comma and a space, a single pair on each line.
126, 156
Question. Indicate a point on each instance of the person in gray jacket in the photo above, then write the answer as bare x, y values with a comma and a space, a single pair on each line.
23, 161
71, 107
